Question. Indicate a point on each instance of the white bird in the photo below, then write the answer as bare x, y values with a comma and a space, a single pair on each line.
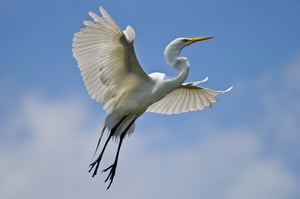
113, 75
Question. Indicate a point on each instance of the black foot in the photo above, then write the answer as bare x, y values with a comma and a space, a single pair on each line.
111, 174
92, 165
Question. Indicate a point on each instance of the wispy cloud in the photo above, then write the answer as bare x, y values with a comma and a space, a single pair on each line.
47, 145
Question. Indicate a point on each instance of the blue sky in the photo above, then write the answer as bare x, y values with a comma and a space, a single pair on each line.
245, 146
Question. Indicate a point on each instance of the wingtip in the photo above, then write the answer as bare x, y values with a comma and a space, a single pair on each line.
204, 80
201, 81
102, 11
227, 90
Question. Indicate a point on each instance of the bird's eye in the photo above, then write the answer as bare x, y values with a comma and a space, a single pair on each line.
185, 40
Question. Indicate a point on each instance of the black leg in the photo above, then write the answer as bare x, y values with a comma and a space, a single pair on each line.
97, 161
113, 167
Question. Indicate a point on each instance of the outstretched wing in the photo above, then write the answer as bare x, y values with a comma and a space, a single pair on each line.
185, 98
105, 56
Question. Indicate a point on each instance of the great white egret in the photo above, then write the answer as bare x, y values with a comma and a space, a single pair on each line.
113, 75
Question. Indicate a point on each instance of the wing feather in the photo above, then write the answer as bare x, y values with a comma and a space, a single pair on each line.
105, 56
187, 97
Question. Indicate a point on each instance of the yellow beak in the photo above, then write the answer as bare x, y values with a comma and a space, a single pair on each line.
195, 39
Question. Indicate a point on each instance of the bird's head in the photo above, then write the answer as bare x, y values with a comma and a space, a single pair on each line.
180, 43
174, 48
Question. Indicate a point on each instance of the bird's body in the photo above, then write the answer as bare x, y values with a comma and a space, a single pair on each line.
113, 75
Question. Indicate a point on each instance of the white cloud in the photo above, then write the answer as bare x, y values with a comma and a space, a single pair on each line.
43, 165
291, 75
46, 145
264, 179
53, 161
280, 92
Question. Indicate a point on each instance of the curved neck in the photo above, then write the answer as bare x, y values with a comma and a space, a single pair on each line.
171, 53
179, 63
176, 81
182, 75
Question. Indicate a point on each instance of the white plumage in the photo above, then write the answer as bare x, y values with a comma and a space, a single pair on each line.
113, 76
185, 98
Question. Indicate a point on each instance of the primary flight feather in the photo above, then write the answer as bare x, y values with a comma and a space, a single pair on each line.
113, 76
